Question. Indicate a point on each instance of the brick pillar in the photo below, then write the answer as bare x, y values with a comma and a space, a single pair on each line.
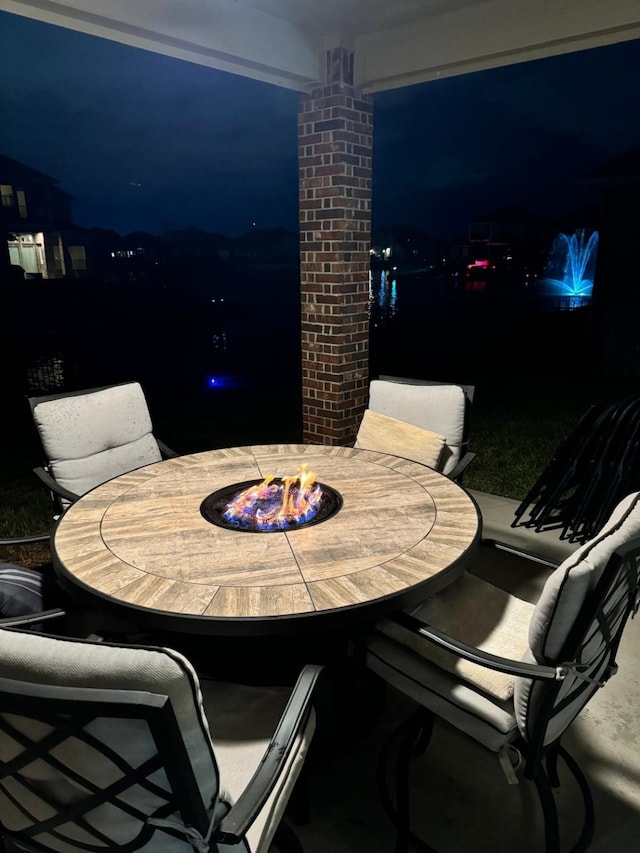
335, 130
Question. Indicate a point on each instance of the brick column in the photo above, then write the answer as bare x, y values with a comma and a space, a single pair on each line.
335, 130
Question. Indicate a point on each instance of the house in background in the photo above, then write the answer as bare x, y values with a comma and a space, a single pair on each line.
35, 226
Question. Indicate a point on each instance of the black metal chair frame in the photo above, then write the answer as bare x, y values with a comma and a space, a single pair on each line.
622, 572
592, 469
69, 716
25, 540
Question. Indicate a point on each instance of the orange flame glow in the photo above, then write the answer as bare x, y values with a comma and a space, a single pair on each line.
276, 504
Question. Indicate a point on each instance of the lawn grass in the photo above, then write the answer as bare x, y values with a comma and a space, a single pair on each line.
516, 430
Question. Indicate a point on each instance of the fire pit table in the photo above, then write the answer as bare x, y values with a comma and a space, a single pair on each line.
151, 545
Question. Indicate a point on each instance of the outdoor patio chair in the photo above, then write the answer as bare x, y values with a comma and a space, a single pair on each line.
510, 673
420, 420
16, 541
32, 599
91, 436
108, 747
27, 596
592, 469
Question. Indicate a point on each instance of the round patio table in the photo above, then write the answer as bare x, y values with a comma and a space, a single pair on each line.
140, 546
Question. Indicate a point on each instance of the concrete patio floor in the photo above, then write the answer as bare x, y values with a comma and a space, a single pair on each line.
461, 800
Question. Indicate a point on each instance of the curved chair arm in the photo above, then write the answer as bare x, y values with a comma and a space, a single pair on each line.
167, 452
25, 540
519, 552
32, 618
244, 811
478, 656
462, 465
55, 487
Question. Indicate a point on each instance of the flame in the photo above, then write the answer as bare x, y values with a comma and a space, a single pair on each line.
277, 504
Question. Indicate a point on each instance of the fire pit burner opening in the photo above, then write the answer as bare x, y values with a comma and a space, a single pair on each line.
272, 505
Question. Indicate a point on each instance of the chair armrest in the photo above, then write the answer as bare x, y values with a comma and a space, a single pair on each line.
32, 618
55, 487
475, 655
25, 540
519, 552
167, 452
462, 465
244, 811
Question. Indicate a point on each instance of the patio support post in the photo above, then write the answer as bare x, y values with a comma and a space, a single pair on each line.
335, 134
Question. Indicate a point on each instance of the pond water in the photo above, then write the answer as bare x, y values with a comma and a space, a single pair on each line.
226, 355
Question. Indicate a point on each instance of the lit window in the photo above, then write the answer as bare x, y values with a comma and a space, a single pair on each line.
22, 204
78, 257
6, 195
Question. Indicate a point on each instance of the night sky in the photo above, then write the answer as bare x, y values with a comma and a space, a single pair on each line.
148, 143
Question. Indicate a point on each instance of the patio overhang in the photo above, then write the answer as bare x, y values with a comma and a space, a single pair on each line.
338, 54
394, 44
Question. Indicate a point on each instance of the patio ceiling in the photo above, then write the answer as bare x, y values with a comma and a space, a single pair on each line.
395, 42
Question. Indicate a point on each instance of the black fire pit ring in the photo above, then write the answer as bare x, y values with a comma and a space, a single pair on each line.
213, 508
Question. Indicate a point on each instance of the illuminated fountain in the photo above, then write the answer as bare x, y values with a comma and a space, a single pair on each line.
570, 269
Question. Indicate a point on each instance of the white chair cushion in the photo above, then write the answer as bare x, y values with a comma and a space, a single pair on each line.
389, 435
566, 588
555, 613
439, 408
478, 701
478, 614
489, 720
82, 475
91, 438
76, 665
242, 720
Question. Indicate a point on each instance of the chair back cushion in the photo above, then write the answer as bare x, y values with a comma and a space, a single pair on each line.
567, 587
438, 408
389, 435
75, 665
559, 606
90, 438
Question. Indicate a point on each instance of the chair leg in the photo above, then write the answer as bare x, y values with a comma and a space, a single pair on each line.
586, 836
551, 764
549, 810
412, 739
